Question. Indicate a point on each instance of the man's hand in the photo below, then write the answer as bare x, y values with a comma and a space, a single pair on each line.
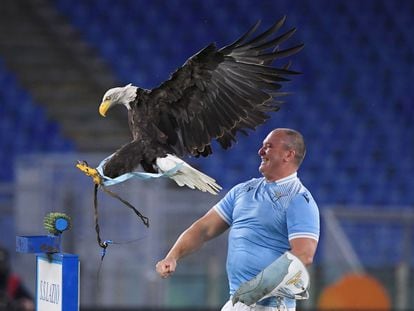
166, 267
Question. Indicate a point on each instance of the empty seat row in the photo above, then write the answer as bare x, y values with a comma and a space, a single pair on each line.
24, 126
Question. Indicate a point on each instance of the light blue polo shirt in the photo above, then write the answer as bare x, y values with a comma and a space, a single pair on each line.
263, 216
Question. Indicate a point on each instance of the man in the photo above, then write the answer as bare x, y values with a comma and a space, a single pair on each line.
267, 216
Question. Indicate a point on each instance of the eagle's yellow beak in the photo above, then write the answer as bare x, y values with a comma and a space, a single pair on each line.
103, 108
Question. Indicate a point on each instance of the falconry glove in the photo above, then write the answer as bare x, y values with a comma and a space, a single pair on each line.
285, 277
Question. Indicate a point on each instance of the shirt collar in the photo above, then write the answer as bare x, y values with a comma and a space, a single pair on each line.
285, 179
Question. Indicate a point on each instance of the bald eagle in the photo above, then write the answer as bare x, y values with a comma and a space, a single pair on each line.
213, 96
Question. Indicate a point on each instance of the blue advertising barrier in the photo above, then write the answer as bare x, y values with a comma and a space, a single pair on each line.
57, 273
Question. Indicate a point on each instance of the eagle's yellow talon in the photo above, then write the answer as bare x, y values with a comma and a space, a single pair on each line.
89, 171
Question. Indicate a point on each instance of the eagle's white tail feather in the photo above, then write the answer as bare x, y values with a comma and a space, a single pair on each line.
187, 175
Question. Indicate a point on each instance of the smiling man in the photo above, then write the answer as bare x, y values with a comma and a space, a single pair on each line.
274, 231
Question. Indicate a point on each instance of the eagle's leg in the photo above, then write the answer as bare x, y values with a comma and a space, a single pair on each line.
89, 171
149, 168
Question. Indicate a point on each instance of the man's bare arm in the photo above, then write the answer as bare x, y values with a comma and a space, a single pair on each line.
304, 249
202, 230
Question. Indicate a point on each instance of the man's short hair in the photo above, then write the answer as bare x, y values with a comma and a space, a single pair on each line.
296, 142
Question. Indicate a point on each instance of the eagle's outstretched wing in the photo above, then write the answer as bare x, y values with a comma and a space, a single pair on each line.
219, 92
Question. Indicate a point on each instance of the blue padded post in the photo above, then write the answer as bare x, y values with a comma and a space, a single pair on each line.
57, 273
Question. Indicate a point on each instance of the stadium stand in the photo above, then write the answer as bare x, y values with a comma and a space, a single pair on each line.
356, 69
352, 103
24, 127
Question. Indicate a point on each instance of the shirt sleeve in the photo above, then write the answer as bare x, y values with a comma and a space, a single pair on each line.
226, 205
303, 217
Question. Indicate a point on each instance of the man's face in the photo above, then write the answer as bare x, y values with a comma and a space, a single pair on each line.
273, 154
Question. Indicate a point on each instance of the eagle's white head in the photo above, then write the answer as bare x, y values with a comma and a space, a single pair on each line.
118, 95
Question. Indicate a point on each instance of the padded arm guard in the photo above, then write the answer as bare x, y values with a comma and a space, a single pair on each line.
285, 277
